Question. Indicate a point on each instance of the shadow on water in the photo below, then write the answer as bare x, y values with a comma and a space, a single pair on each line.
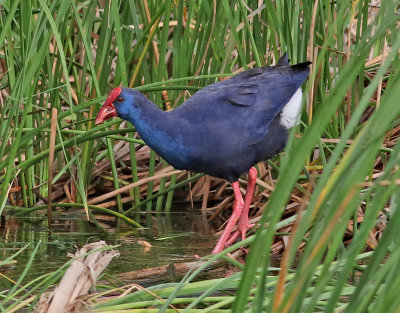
174, 237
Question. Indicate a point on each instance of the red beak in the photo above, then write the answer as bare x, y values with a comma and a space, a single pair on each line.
108, 110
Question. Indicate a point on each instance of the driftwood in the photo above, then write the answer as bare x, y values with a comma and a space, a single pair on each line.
175, 271
77, 280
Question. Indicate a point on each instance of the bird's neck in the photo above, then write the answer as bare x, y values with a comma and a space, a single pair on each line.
159, 130
146, 117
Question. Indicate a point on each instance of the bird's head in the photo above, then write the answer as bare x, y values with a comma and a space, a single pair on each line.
108, 110
120, 102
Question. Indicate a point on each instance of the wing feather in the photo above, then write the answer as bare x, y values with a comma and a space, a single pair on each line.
246, 104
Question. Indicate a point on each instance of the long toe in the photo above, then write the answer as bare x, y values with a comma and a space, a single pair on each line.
243, 230
232, 238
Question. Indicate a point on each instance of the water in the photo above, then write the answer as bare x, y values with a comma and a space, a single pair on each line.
175, 237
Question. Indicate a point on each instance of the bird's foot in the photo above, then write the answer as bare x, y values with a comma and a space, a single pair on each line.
242, 230
244, 224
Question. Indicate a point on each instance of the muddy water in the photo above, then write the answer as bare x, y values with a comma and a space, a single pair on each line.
175, 237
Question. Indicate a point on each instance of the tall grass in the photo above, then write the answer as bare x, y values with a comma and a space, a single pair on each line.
67, 55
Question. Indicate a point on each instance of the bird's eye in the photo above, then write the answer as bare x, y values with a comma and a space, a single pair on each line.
120, 99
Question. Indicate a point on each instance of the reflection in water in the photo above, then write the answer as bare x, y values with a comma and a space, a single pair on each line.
173, 237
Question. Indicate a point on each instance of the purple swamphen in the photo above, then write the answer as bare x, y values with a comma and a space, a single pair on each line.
222, 130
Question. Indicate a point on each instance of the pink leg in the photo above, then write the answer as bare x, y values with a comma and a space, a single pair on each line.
244, 217
237, 212
240, 210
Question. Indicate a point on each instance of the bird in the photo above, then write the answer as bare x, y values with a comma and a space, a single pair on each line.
222, 130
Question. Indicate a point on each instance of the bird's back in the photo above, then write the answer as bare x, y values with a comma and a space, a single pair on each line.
231, 125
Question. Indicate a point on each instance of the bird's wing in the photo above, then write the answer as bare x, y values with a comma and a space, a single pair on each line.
265, 92
249, 101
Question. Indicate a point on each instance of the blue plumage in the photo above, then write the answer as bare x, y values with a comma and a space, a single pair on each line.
223, 129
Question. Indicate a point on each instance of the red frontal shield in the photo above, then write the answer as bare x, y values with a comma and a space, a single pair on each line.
108, 110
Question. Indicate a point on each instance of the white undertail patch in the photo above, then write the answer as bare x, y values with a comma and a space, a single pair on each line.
290, 115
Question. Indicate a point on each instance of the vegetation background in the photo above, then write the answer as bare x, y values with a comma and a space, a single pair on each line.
338, 191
